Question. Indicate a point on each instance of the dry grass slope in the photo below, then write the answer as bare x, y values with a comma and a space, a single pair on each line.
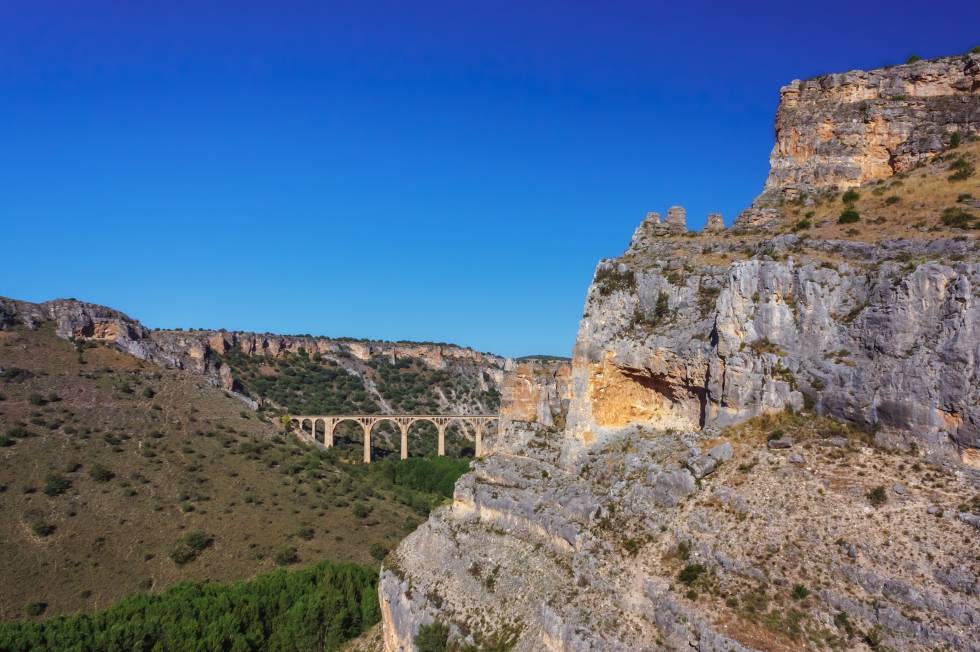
109, 466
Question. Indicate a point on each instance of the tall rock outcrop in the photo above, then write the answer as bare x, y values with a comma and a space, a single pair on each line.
773, 434
849, 128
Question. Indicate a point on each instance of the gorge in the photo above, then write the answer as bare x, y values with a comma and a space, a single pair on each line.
767, 437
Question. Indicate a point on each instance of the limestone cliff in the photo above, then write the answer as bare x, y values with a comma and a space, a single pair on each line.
773, 434
536, 391
849, 128
207, 351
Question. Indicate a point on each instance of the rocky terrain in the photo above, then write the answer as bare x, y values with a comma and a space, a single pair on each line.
281, 374
773, 435
470, 381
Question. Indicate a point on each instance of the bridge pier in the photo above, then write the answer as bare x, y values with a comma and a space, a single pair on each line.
404, 429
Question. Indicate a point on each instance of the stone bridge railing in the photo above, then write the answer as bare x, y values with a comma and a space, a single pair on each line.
478, 422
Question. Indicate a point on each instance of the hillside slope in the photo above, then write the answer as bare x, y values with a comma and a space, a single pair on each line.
108, 464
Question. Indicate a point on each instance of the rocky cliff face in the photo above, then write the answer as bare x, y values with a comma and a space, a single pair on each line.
845, 129
773, 433
867, 338
536, 391
205, 351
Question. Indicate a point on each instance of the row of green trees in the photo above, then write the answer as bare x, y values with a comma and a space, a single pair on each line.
314, 609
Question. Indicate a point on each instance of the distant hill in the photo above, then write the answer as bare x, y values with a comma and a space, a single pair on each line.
120, 476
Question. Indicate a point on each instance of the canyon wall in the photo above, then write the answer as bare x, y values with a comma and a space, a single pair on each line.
201, 351
845, 129
773, 431
865, 339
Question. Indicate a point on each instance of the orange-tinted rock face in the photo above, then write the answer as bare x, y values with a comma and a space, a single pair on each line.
536, 391
106, 331
620, 396
846, 129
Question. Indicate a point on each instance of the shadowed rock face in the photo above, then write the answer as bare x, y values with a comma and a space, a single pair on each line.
848, 128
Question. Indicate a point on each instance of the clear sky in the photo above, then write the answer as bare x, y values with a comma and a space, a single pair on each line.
447, 171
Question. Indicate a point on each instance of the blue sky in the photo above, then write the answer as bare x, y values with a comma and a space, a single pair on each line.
446, 171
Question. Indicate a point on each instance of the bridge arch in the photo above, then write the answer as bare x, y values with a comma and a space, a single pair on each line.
479, 423
423, 437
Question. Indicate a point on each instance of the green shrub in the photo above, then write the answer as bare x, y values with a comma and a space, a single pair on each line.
954, 140
182, 555
848, 216
197, 540
892, 200
55, 485
306, 533
850, 196
42, 528
6, 441
842, 622
661, 309
690, 573
802, 225
101, 474
433, 637
957, 218
148, 392
190, 546
378, 551
800, 591
36, 399
361, 510
961, 170
913, 58
35, 609
877, 496
286, 556
15, 374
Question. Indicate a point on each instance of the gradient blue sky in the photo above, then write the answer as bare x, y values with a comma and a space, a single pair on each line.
447, 171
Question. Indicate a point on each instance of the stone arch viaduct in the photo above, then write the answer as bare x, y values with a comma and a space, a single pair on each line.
478, 422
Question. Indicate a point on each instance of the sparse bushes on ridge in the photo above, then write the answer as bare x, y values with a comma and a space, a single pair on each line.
610, 279
848, 216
